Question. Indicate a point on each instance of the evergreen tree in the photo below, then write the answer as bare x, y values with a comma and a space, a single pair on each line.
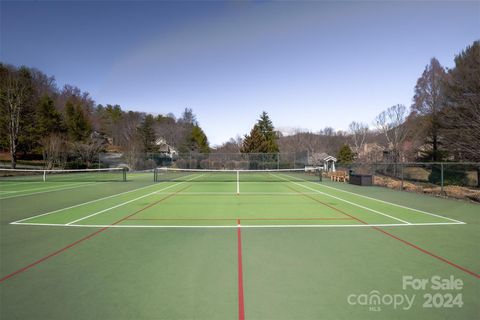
107, 120
188, 132
48, 119
255, 142
262, 138
345, 155
78, 126
460, 119
198, 140
147, 134
265, 126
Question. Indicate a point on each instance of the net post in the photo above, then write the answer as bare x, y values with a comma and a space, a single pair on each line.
124, 174
401, 184
155, 175
441, 178
238, 182
44, 175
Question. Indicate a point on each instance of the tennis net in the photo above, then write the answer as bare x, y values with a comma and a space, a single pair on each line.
206, 175
64, 175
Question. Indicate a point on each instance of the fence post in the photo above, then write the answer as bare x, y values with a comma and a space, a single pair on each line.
278, 161
441, 178
401, 173
294, 159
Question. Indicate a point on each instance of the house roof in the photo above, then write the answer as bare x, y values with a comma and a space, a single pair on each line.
322, 157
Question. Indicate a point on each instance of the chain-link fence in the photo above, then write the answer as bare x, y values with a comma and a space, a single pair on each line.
193, 160
460, 180
454, 179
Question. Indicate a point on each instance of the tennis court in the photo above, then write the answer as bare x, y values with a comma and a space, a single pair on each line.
277, 244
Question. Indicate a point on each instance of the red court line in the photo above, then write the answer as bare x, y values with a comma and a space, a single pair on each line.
91, 235
453, 264
52, 254
476, 275
241, 302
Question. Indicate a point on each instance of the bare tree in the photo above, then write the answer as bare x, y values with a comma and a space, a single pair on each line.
168, 128
427, 103
358, 131
231, 146
54, 149
130, 139
391, 124
15, 93
88, 152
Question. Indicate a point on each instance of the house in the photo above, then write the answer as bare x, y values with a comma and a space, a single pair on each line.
323, 161
165, 148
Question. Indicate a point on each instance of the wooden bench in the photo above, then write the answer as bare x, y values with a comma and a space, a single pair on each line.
339, 176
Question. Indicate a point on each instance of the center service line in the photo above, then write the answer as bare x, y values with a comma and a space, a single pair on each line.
241, 303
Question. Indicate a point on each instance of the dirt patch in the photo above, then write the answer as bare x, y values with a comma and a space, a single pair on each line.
396, 184
456, 192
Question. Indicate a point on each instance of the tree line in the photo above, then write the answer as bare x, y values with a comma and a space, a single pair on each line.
66, 128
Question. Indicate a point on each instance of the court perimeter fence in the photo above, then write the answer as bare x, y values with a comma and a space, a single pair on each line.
453, 179
219, 161
443, 178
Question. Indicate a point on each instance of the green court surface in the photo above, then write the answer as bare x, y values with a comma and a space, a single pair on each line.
200, 248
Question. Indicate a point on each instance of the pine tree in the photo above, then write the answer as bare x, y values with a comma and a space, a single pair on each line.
460, 119
147, 134
78, 126
48, 119
262, 138
255, 142
193, 138
198, 140
266, 128
345, 155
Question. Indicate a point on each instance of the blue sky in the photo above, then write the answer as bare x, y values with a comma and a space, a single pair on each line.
309, 64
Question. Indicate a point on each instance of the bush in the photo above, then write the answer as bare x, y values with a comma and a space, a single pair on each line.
452, 175
77, 164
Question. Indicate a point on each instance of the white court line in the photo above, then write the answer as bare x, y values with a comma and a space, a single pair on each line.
83, 203
236, 226
391, 203
129, 201
46, 191
54, 187
243, 193
352, 203
24, 182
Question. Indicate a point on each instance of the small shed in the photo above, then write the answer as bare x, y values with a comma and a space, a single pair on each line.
323, 160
